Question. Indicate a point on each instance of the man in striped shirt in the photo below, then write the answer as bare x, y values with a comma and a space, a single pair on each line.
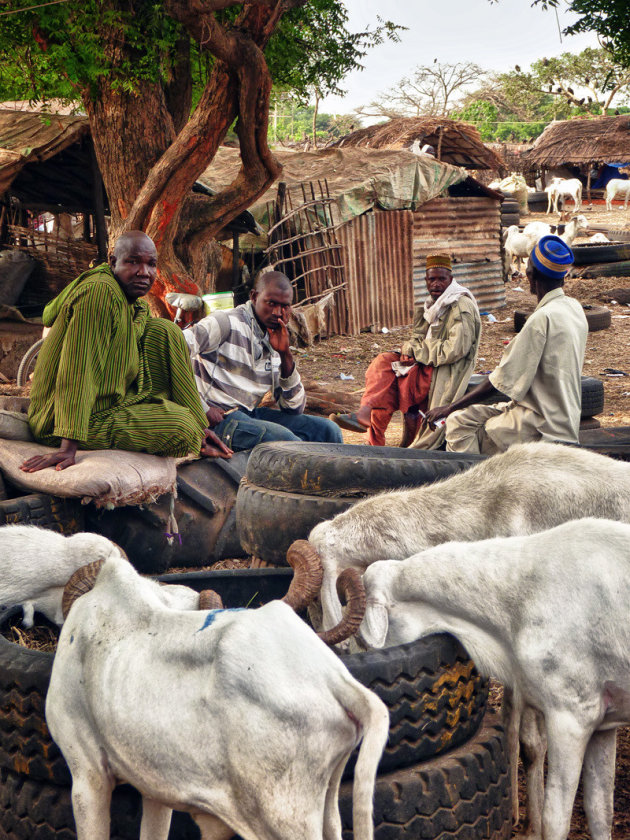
109, 376
240, 355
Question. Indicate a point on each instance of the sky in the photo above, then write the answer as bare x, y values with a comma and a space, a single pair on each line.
495, 36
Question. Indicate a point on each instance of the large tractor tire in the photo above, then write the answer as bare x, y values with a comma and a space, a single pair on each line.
462, 795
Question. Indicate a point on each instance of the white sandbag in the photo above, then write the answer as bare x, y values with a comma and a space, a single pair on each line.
109, 478
14, 425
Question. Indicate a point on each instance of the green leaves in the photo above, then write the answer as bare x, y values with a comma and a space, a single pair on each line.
68, 49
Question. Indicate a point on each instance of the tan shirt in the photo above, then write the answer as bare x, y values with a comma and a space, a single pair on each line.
451, 347
541, 373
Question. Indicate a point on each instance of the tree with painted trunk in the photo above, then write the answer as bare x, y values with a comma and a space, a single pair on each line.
136, 68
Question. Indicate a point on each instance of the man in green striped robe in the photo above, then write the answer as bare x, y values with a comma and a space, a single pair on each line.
109, 376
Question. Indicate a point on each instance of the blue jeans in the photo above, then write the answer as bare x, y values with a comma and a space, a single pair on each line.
243, 429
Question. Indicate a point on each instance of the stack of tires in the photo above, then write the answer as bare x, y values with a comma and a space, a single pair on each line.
444, 772
510, 214
537, 201
289, 487
608, 259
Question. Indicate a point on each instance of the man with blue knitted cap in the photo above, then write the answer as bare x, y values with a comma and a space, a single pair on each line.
540, 370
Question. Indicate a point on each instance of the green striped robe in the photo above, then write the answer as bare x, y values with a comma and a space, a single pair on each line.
112, 377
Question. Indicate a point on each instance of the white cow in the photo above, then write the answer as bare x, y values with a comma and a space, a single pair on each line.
529, 488
35, 565
617, 186
243, 718
564, 188
547, 615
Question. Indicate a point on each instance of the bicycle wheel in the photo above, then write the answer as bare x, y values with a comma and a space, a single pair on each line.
27, 365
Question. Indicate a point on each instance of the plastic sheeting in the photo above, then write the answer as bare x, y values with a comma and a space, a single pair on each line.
358, 179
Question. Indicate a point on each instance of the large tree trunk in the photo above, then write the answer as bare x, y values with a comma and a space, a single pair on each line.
130, 133
150, 159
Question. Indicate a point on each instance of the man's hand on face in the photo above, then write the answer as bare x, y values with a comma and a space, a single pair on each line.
279, 338
214, 415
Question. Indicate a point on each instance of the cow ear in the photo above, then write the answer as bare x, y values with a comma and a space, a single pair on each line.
375, 625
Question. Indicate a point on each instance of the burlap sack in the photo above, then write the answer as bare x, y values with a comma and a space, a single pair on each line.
14, 425
109, 478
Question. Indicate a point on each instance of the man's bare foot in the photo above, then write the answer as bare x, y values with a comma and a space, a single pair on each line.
364, 415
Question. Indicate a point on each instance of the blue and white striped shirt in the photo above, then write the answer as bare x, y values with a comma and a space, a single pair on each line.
235, 365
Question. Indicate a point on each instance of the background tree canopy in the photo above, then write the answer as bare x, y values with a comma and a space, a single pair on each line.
518, 105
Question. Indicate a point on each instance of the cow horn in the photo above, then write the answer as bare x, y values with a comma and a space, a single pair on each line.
350, 587
79, 583
210, 600
307, 574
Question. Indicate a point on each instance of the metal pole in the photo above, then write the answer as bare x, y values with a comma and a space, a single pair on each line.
235, 257
99, 206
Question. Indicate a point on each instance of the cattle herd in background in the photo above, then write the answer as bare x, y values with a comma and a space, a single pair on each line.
564, 197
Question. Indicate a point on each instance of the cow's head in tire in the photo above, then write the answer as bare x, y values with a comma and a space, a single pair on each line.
306, 584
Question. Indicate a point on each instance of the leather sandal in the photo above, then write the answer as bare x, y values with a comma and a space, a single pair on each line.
349, 422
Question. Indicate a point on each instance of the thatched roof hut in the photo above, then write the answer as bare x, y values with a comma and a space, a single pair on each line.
582, 140
28, 138
454, 142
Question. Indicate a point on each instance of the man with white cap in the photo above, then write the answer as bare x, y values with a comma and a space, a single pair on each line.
433, 366
540, 370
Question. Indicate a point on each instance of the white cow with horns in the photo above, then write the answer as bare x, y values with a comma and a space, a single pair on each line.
528, 489
243, 718
547, 614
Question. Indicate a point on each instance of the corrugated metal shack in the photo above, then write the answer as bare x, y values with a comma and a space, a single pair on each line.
390, 208
386, 252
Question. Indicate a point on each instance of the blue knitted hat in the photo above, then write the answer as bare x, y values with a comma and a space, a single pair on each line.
552, 257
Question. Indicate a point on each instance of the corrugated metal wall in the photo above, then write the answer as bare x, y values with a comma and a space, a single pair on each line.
469, 229
378, 260
385, 251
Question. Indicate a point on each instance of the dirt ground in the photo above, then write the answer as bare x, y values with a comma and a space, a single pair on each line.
340, 356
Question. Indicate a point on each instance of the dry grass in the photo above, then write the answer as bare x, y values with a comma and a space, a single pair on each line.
582, 140
40, 637
457, 142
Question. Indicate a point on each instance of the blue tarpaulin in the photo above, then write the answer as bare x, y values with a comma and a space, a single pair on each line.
608, 171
